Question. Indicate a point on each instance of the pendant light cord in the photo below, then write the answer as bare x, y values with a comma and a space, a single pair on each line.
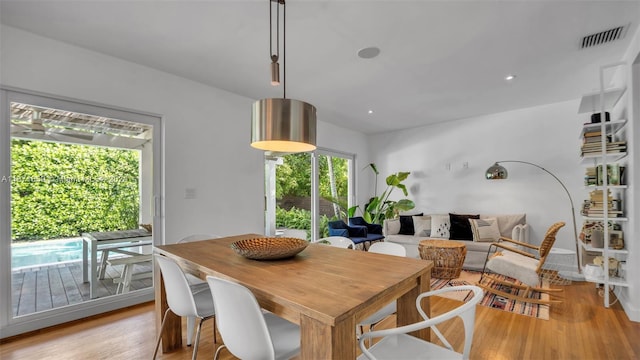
271, 54
276, 56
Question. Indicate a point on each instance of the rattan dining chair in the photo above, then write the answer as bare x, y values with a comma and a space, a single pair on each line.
386, 248
183, 300
247, 331
396, 343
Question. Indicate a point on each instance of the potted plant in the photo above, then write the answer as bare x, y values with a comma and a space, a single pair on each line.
380, 207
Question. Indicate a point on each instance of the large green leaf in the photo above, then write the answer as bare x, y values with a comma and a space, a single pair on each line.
374, 168
404, 205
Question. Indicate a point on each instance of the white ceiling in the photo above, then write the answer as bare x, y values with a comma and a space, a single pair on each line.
439, 61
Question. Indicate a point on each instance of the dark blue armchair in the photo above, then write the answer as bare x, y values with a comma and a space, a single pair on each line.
371, 228
357, 233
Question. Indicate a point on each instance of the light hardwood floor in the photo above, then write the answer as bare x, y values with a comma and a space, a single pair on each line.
580, 328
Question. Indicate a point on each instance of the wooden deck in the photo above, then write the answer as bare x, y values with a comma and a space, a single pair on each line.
47, 287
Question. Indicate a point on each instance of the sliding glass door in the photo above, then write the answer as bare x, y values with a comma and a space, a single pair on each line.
304, 191
77, 180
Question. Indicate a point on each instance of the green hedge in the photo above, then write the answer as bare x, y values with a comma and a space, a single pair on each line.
61, 190
300, 219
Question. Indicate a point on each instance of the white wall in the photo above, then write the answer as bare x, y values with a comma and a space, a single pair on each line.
206, 130
544, 135
206, 141
630, 297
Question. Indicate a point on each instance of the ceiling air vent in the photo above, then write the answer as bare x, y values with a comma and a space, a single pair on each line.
603, 37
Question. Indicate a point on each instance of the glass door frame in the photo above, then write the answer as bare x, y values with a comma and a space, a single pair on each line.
10, 325
270, 166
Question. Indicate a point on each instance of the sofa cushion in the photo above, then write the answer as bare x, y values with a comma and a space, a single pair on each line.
393, 226
460, 226
404, 239
506, 223
440, 225
477, 246
406, 224
485, 230
422, 225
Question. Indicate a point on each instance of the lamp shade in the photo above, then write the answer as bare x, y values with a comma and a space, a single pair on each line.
496, 172
283, 125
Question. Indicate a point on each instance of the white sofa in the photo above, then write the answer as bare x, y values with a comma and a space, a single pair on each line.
431, 227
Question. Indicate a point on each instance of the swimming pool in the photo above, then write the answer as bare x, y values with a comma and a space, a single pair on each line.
37, 253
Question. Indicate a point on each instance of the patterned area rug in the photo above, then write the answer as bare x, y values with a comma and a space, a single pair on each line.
492, 300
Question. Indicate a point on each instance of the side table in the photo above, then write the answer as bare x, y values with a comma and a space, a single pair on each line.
447, 256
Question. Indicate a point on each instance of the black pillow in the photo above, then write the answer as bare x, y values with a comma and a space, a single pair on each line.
406, 224
460, 226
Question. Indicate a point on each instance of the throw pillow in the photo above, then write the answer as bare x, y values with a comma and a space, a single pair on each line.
406, 224
485, 230
506, 223
393, 226
460, 226
440, 225
422, 225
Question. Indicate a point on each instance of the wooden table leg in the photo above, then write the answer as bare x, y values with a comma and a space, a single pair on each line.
407, 312
323, 341
172, 334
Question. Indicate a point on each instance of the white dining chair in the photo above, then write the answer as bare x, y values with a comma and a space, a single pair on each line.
183, 301
247, 331
197, 237
391, 308
338, 241
295, 233
195, 282
388, 248
397, 344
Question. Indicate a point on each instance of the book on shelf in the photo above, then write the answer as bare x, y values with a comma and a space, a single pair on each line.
598, 152
598, 194
613, 174
599, 214
595, 206
609, 144
596, 139
592, 133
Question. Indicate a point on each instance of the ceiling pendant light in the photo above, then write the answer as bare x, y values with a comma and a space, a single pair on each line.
282, 125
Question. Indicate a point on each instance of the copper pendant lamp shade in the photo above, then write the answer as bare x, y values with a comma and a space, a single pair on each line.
282, 125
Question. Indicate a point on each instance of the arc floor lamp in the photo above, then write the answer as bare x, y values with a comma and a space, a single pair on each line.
498, 172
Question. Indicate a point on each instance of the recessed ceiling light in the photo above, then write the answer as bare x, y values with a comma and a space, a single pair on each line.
369, 52
510, 77
370, 111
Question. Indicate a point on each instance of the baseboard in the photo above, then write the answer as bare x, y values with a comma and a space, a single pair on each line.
44, 319
633, 312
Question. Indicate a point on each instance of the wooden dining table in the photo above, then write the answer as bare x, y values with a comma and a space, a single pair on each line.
326, 290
